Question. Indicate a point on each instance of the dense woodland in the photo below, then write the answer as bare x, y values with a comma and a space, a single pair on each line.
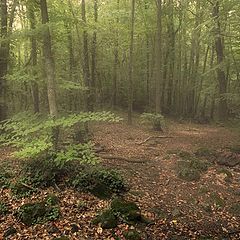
178, 58
119, 119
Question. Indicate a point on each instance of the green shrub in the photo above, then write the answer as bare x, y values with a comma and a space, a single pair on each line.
19, 190
107, 219
132, 235
155, 120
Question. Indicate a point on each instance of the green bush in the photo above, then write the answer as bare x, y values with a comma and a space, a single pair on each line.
5, 177
155, 120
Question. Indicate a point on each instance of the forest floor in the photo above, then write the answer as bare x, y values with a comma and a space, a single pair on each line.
205, 209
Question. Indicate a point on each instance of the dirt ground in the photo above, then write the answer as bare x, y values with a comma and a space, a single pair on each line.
179, 209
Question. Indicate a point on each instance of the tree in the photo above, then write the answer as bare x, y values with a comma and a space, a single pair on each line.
130, 74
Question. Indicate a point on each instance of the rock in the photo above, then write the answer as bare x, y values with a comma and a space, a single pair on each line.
9, 232
107, 220
74, 228
176, 213
228, 162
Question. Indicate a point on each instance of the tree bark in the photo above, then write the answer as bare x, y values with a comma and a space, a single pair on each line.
3, 59
130, 74
159, 57
221, 76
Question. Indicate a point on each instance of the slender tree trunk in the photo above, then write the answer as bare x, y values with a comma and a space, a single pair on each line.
3, 60
221, 76
50, 69
116, 64
35, 91
159, 57
94, 57
130, 74
86, 70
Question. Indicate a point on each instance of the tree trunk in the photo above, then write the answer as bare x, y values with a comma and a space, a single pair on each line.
130, 74
35, 91
94, 57
159, 57
221, 76
86, 70
3, 60
50, 70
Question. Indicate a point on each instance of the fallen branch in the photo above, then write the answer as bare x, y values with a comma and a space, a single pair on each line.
29, 187
131, 160
153, 137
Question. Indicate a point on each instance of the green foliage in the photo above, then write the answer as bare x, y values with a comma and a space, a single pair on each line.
52, 199
39, 212
81, 152
100, 182
155, 120
4, 177
31, 134
3, 209
19, 190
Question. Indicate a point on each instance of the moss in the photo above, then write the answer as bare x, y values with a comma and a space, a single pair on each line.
205, 152
185, 155
235, 149
132, 235
191, 170
128, 211
62, 238
52, 199
107, 219
3, 209
39, 212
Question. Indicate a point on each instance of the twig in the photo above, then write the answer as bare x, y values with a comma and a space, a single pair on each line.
121, 158
27, 186
152, 137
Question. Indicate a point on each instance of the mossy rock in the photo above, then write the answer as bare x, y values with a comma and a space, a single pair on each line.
205, 152
62, 238
189, 174
107, 219
3, 209
191, 170
101, 190
235, 149
235, 209
128, 211
132, 235
185, 155
39, 212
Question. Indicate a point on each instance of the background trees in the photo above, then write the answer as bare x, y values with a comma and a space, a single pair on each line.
186, 56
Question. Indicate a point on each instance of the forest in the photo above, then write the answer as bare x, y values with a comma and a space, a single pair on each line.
120, 119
